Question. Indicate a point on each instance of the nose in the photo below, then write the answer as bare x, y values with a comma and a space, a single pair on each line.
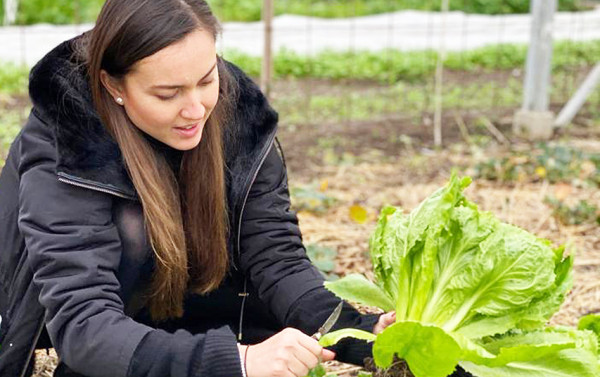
194, 109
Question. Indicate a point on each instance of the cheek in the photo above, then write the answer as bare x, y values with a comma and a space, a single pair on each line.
213, 99
149, 113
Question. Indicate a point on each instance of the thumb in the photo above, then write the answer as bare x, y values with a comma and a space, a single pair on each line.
327, 355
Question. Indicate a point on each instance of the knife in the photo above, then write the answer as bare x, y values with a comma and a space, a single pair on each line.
331, 320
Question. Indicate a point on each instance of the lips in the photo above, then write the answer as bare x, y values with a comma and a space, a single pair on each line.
187, 127
188, 131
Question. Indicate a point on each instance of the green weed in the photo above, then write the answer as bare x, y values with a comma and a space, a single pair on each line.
324, 259
392, 65
311, 198
58, 11
70, 11
13, 79
580, 213
250, 10
554, 163
10, 125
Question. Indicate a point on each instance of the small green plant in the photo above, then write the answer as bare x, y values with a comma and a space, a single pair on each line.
74, 11
580, 213
9, 128
555, 163
311, 198
58, 11
13, 79
318, 371
250, 10
391, 66
324, 259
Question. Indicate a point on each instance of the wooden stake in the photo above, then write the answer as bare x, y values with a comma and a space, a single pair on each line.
267, 62
439, 73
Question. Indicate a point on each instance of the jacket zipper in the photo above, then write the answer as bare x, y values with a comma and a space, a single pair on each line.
239, 229
94, 187
32, 350
244, 294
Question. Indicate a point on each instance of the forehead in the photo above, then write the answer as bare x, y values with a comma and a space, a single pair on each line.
183, 62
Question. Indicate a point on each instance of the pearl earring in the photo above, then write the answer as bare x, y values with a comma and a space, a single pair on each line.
119, 100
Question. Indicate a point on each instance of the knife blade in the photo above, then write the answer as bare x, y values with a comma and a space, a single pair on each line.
329, 322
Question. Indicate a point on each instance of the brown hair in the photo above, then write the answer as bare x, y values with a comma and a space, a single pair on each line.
185, 216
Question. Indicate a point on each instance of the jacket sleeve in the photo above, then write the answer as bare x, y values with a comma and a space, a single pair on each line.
74, 250
273, 256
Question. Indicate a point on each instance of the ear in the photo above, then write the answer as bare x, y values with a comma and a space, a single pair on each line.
114, 87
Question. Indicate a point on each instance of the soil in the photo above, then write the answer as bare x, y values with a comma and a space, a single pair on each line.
400, 369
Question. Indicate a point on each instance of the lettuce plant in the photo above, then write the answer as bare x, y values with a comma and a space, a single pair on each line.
467, 289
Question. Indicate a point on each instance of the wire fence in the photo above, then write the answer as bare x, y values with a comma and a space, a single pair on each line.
357, 70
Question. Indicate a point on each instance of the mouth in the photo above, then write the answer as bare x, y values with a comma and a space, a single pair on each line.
188, 131
187, 127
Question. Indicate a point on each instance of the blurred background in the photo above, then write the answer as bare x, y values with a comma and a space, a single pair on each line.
380, 99
347, 62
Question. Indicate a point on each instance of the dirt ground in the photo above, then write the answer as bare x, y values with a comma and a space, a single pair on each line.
362, 165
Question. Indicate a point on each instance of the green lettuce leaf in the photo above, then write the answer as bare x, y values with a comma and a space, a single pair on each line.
590, 322
333, 337
358, 288
553, 352
570, 362
428, 350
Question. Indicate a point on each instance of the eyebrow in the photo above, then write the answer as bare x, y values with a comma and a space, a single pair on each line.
181, 86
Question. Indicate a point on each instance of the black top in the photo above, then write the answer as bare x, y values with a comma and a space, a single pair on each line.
172, 155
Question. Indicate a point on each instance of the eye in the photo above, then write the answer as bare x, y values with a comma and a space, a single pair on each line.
206, 83
167, 98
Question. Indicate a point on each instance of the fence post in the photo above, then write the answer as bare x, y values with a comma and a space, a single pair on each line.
534, 119
10, 11
439, 79
267, 62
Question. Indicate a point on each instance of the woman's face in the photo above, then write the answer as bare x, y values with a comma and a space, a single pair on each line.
171, 94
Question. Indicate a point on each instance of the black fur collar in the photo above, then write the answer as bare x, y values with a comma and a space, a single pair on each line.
86, 152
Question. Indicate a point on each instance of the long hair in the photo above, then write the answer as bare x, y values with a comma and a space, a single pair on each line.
186, 215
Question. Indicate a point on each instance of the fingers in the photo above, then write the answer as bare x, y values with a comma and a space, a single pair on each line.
327, 355
308, 356
299, 366
389, 318
310, 344
315, 348
289, 353
385, 320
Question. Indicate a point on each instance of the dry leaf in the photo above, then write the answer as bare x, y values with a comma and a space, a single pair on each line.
324, 185
358, 214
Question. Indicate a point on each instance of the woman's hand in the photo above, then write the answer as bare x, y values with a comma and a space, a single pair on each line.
289, 353
384, 321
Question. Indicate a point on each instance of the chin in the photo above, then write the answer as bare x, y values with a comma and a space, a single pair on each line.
185, 146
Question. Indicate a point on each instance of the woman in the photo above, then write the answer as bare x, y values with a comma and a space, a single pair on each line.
145, 213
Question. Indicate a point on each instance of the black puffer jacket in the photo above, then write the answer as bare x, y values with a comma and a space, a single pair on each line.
63, 193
